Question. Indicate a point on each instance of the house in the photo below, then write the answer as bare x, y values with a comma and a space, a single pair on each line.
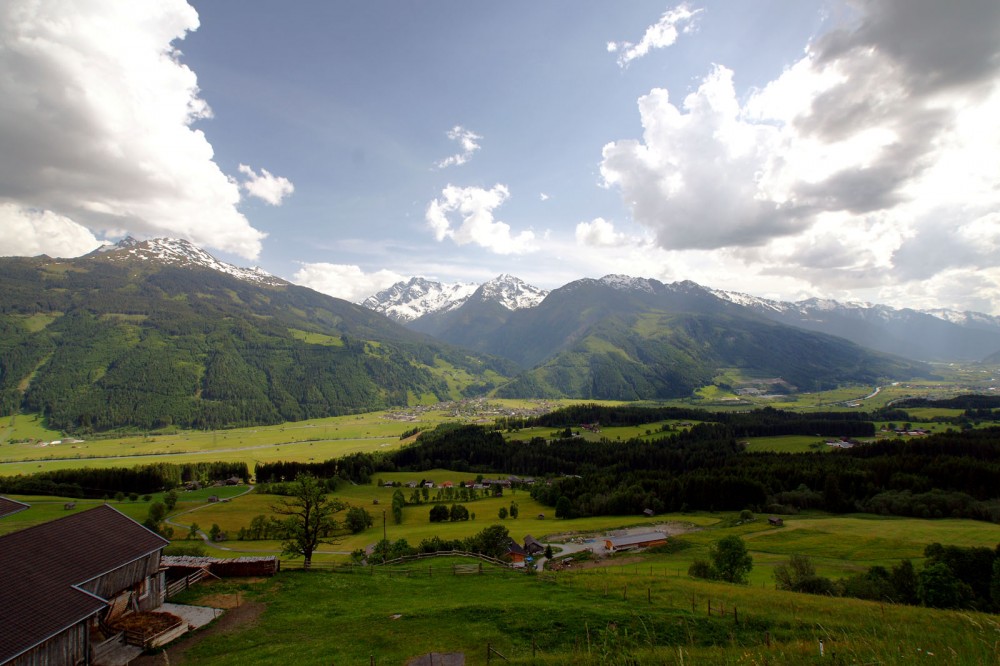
63, 580
516, 554
532, 546
633, 541
774, 521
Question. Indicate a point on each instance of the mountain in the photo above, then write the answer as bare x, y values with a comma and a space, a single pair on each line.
634, 338
938, 335
179, 252
156, 333
408, 301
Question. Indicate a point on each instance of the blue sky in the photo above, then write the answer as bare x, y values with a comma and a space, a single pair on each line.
786, 149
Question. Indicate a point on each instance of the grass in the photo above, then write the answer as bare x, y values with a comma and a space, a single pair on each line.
598, 616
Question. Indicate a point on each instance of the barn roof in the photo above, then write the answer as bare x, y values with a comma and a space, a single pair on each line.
42, 567
636, 539
9, 506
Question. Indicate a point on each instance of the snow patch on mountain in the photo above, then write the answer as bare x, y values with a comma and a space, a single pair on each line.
511, 292
416, 297
179, 252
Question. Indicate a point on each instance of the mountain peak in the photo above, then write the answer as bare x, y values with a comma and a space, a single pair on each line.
180, 252
411, 299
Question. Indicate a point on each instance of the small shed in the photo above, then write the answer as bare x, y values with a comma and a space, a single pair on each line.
775, 521
532, 546
516, 554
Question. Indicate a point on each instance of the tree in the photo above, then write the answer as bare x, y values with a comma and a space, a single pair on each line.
938, 587
309, 519
458, 512
789, 576
193, 531
439, 513
154, 520
491, 541
170, 500
548, 551
731, 559
513, 510
502, 513
905, 583
563, 507
215, 533
398, 502
358, 519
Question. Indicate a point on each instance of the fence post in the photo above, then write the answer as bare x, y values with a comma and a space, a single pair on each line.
710, 608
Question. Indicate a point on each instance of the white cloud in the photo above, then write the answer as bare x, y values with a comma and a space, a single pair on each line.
473, 207
26, 233
599, 233
542, 196
344, 281
869, 164
469, 142
96, 115
265, 185
660, 35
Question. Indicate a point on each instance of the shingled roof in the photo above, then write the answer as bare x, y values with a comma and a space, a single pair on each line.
43, 566
9, 506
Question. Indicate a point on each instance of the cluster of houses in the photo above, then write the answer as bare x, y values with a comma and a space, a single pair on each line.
476, 485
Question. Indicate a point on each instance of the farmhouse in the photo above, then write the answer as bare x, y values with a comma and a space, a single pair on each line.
633, 541
65, 579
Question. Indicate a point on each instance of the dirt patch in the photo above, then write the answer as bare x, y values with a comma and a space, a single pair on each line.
226, 601
239, 617
147, 623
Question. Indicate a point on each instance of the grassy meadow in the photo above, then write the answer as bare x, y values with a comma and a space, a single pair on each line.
635, 609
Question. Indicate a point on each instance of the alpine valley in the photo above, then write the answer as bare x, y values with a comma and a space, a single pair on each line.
153, 333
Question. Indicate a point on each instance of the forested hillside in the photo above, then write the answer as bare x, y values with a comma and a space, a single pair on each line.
93, 344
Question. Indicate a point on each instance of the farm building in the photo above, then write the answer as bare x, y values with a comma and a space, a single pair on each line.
633, 541
64, 580
532, 546
9, 506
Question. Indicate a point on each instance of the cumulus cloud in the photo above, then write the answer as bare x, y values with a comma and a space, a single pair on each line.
265, 185
599, 233
96, 120
26, 233
344, 281
870, 161
471, 210
660, 35
467, 140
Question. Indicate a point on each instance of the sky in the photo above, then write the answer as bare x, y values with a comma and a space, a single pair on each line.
783, 148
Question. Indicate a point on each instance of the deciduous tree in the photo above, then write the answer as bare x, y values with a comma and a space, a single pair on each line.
309, 517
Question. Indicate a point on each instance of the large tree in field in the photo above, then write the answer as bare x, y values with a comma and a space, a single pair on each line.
309, 517
731, 560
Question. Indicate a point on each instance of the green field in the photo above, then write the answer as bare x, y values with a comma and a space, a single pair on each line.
642, 609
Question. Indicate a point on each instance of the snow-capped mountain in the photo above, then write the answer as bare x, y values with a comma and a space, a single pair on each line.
406, 301
412, 299
934, 335
179, 252
511, 292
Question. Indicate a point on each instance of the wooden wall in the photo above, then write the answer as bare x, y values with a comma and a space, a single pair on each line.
70, 647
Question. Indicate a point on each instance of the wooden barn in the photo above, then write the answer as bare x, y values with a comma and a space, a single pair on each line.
64, 580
